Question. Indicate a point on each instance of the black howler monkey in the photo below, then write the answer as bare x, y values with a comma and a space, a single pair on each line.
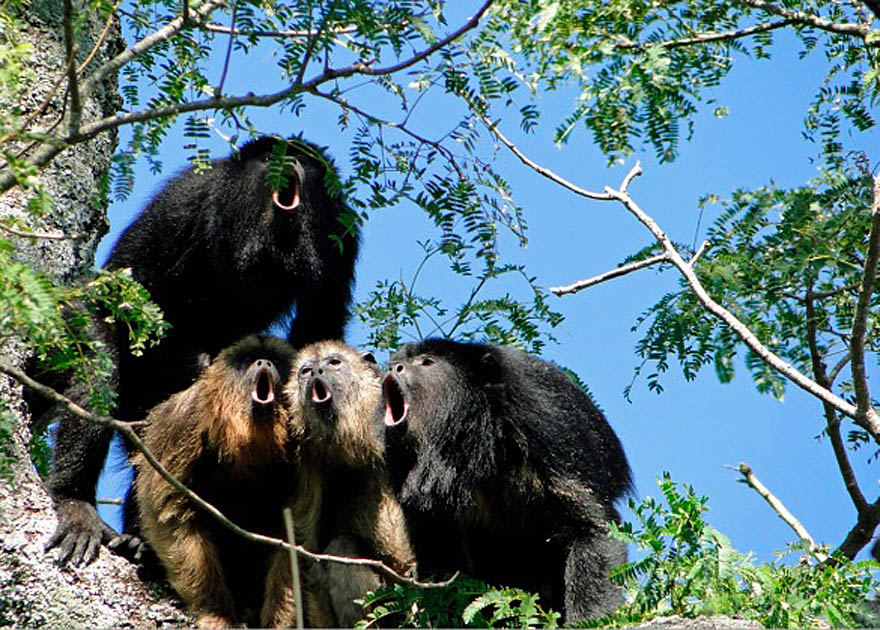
505, 470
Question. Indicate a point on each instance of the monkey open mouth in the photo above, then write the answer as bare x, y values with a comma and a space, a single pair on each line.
263, 392
320, 392
395, 402
288, 198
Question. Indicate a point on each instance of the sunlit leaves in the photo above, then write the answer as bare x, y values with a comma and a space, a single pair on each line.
689, 568
787, 264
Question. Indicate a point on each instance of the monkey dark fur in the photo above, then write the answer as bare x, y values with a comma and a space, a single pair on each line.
227, 437
223, 256
334, 391
505, 470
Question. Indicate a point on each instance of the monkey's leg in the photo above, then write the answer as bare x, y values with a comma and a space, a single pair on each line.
279, 604
345, 583
588, 591
196, 573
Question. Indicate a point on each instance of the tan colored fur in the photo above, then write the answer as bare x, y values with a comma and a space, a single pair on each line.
208, 425
369, 521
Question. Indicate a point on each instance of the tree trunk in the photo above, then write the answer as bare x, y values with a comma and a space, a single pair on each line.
34, 590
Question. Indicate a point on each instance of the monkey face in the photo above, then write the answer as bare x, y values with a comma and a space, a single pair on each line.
257, 368
436, 412
289, 172
334, 391
262, 378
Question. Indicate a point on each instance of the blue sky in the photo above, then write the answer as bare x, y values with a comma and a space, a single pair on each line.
692, 430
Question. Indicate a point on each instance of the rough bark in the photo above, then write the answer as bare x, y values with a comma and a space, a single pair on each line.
34, 590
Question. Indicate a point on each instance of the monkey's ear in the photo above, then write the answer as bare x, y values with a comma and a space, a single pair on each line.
203, 361
490, 369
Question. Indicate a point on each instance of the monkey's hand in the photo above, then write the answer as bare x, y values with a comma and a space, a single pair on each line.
79, 532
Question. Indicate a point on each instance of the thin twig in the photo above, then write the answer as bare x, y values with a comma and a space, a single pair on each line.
752, 481
37, 235
125, 428
832, 420
361, 68
294, 568
219, 89
101, 38
609, 275
706, 38
493, 127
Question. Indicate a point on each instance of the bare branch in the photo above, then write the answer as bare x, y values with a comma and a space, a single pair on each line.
866, 410
101, 38
225, 30
545, 172
294, 568
219, 89
37, 235
869, 422
835, 371
752, 481
832, 420
125, 428
417, 57
808, 19
610, 275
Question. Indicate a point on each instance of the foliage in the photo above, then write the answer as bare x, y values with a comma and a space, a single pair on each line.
785, 262
396, 308
640, 72
465, 603
56, 323
7, 425
685, 568
691, 569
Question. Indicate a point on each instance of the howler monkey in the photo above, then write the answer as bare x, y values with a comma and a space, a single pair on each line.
224, 255
228, 438
334, 391
505, 470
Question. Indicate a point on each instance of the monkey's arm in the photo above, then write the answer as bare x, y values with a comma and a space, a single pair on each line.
80, 450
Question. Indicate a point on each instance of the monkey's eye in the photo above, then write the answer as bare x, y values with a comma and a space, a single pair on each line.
335, 361
426, 361
305, 371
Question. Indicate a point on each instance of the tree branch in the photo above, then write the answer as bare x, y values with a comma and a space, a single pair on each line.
609, 275
545, 172
808, 19
753, 482
832, 421
705, 38
870, 422
101, 39
403, 65
52, 148
866, 412
126, 429
71, 50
